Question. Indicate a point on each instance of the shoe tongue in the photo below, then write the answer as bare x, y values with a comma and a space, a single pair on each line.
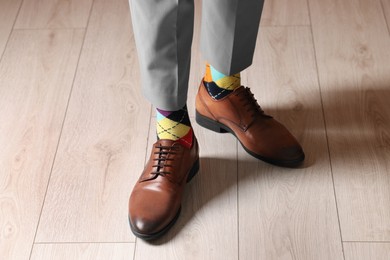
165, 142
186, 141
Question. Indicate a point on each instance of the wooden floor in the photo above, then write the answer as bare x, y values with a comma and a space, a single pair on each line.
75, 132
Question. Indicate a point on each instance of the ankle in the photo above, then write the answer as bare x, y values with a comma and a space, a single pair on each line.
218, 84
174, 125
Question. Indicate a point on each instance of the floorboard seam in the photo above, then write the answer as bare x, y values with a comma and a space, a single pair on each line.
10, 33
372, 242
73, 242
284, 25
384, 16
325, 125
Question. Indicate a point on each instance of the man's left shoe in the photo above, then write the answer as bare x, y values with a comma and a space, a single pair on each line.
155, 201
260, 135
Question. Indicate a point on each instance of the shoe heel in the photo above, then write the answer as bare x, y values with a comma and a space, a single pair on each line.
208, 123
194, 170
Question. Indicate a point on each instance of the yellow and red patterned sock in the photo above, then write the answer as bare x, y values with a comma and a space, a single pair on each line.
175, 125
219, 85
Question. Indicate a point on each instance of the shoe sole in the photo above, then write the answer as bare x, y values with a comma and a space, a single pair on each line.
147, 237
221, 128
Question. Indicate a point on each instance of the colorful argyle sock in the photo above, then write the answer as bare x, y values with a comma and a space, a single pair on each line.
219, 85
175, 125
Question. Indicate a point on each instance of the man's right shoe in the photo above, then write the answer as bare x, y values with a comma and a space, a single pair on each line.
260, 135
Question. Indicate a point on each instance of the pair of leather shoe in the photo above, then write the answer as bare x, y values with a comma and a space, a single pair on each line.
155, 202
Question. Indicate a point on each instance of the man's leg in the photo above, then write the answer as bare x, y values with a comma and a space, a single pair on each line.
229, 33
163, 35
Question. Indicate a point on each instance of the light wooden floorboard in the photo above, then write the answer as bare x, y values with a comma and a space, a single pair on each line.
288, 213
84, 251
285, 12
103, 143
36, 76
54, 14
353, 53
207, 227
8, 11
367, 251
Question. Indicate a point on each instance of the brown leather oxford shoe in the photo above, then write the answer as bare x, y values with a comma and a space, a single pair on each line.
155, 201
260, 135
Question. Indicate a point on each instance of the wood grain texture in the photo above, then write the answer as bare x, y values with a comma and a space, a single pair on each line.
84, 251
8, 11
367, 251
102, 147
288, 213
352, 49
53, 14
285, 13
207, 226
36, 76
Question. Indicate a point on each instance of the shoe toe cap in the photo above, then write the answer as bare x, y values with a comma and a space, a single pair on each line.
148, 217
143, 226
291, 156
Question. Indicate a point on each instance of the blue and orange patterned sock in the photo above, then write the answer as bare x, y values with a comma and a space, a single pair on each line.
175, 125
219, 85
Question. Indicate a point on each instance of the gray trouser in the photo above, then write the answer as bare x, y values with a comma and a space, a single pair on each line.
163, 34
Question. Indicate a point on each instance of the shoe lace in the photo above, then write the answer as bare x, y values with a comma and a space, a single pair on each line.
163, 159
250, 102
